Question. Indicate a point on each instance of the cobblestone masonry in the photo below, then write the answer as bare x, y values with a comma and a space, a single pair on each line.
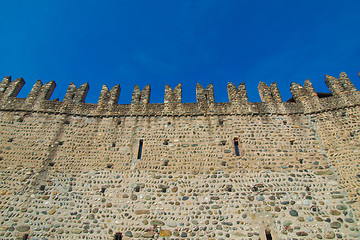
204, 170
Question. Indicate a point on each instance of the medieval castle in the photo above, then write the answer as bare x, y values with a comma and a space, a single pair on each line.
173, 170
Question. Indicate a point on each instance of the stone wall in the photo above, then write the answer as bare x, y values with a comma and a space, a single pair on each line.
205, 170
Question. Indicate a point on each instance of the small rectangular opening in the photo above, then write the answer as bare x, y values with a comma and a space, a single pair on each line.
141, 142
268, 234
236, 145
118, 236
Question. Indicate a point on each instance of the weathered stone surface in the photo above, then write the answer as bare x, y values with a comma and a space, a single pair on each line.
287, 223
23, 228
301, 234
139, 212
76, 231
157, 222
128, 234
203, 170
335, 225
330, 235
294, 213
165, 233
148, 234
334, 212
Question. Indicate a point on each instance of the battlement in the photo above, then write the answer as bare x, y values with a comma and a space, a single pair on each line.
231, 170
305, 99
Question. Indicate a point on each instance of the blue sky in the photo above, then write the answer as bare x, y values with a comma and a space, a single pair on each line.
181, 41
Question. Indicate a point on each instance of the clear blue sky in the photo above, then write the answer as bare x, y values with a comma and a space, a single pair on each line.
180, 41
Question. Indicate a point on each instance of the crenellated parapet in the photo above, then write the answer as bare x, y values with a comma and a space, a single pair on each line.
108, 99
10, 88
172, 99
306, 96
140, 99
271, 97
305, 99
205, 98
39, 93
237, 95
76, 95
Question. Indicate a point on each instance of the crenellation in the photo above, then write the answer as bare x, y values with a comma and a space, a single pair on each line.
12, 88
70, 93
346, 83
173, 170
305, 99
205, 98
265, 93
140, 100
334, 85
38, 93
141, 97
237, 95
172, 100
4, 84
275, 93
173, 96
108, 99
306, 96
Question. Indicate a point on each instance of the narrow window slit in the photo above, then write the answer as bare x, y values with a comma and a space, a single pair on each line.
268, 234
236, 145
141, 142
118, 236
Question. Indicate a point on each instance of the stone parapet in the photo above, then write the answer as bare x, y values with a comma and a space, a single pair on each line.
305, 100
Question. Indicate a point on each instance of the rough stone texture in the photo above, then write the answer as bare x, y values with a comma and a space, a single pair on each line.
205, 170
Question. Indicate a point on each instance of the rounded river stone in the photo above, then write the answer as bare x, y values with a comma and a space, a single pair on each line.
294, 213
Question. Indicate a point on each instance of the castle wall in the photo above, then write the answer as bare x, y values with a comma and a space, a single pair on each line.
73, 170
